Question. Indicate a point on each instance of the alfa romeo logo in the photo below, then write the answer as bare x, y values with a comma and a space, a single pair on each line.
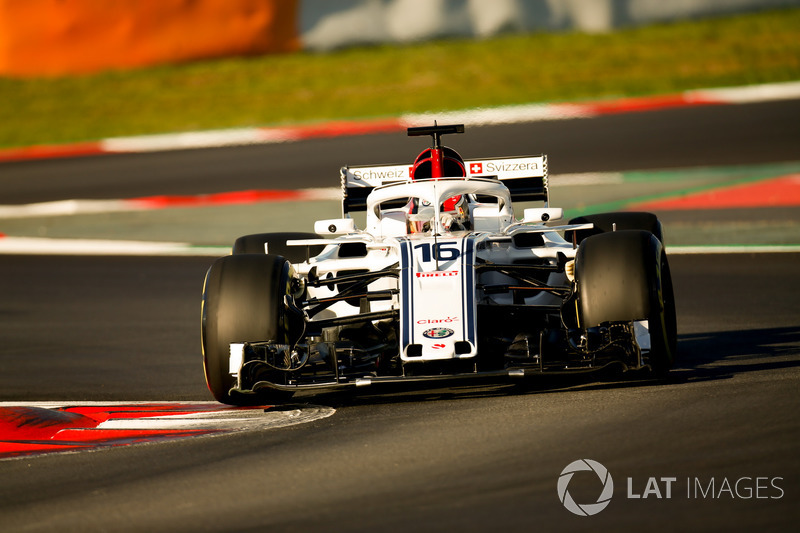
586, 509
438, 333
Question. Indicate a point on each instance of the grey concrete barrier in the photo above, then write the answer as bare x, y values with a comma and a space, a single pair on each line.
331, 24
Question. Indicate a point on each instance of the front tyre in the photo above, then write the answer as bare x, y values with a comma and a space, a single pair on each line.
242, 301
624, 276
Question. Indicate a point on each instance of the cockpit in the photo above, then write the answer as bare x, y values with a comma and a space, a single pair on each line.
440, 206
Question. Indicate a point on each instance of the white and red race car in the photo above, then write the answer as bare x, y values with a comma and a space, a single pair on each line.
443, 283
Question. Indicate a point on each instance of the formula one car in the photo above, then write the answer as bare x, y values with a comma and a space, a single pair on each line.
444, 283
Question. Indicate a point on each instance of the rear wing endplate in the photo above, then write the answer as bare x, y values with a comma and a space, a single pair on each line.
525, 177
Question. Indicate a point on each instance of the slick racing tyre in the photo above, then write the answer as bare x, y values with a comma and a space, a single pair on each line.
624, 276
275, 244
608, 222
242, 301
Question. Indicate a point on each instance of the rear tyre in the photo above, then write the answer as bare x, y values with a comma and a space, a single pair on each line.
276, 245
242, 301
624, 276
616, 221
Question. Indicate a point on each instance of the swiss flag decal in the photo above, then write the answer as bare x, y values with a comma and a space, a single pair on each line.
476, 168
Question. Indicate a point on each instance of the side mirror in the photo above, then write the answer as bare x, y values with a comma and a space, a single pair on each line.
542, 214
335, 226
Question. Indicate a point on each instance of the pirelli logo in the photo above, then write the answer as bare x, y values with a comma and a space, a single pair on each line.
438, 274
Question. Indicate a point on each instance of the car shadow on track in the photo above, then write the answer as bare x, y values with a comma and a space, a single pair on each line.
543, 384
701, 357
724, 354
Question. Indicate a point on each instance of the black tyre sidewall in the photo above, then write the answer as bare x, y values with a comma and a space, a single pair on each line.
242, 301
624, 276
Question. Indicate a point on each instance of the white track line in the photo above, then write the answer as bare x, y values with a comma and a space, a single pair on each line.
64, 208
48, 246
734, 249
749, 94
89, 207
198, 139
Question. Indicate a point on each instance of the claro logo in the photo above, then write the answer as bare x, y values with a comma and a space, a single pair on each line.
585, 509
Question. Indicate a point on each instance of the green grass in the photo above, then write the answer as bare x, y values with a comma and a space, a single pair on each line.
384, 81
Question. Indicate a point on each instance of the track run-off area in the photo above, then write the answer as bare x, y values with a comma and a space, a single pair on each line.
104, 347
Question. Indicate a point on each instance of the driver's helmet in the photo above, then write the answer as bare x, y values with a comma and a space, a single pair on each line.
452, 164
452, 167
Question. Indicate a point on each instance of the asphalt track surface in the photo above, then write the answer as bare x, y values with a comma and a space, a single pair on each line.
464, 459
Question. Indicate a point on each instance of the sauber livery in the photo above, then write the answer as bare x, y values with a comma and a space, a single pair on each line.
445, 281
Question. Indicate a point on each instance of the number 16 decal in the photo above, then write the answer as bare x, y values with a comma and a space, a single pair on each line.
440, 251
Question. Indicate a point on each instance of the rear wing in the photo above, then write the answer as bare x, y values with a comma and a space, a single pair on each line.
525, 177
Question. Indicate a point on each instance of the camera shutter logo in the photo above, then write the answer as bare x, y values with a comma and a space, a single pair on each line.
587, 509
